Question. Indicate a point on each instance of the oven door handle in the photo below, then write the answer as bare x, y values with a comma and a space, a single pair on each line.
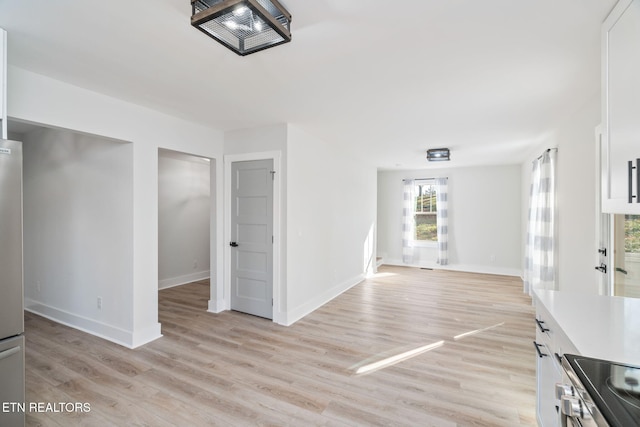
537, 346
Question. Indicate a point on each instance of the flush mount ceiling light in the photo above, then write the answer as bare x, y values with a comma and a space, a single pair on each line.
438, 154
244, 26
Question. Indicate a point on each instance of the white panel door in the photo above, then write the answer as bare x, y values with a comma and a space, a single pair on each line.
252, 237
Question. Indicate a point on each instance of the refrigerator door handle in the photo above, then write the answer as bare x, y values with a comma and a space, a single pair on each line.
10, 352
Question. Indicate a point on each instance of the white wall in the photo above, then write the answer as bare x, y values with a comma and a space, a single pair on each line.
331, 219
78, 221
576, 197
325, 257
256, 140
327, 215
184, 209
38, 99
484, 218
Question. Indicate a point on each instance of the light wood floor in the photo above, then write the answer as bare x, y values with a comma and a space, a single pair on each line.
235, 369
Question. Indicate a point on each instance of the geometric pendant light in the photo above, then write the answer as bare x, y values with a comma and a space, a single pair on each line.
244, 26
438, 154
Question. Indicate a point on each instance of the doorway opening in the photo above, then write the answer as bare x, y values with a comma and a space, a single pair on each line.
625, 274
185, 218
618, 237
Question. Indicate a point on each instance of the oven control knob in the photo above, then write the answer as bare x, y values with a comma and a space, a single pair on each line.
573, 407
570, 406
563, 390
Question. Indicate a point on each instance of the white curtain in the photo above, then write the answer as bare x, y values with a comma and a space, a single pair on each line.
540, 247
442, 204
408, 220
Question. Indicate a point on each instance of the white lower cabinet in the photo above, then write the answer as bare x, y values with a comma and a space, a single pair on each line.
551, 343
547, 377
547, 373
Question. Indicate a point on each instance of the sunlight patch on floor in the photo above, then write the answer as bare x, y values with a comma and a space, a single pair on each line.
477, 331
381, 275
367, 368
379, 361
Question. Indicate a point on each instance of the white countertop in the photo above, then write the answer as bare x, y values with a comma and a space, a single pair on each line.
598, 326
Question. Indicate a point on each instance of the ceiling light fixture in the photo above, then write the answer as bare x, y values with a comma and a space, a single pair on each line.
244, 26
438, 154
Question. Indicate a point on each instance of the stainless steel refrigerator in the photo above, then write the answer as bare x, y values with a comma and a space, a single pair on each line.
12, 387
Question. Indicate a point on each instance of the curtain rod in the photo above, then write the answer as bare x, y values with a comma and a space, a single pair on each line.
545, 151
425, 179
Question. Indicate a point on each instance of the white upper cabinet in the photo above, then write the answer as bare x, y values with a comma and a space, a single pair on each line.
621, 109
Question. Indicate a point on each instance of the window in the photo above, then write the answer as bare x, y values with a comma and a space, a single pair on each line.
425, 211
632, 234
425, 220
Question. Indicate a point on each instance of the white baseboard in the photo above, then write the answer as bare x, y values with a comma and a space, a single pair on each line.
181, 280
217, 306
145, 336
292, 316
108, 332
483, 269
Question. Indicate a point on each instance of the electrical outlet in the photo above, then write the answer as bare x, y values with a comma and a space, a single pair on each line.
99, 303
195, 263
38, 286
492, 258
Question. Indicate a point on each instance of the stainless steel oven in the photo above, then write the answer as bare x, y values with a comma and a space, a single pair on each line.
598, 393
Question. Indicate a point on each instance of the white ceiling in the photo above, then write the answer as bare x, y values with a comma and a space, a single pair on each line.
488, 79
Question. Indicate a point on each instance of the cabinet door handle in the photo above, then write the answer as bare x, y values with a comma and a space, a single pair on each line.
541, 326
630, 169
540, 354
602, 268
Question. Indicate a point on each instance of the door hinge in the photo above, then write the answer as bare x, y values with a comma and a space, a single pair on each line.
273, 175
271, 302
272, 240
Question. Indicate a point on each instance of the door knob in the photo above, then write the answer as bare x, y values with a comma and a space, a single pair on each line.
233, 244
